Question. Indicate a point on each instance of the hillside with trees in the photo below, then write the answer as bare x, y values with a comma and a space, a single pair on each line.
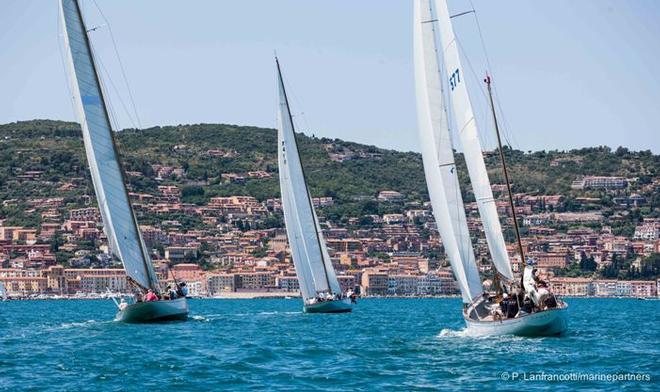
353, 174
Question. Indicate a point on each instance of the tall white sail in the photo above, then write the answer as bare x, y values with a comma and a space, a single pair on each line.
467, 130
438, 156
119, 220
3, 291
310, 257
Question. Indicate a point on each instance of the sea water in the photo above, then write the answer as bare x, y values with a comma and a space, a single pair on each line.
270, 344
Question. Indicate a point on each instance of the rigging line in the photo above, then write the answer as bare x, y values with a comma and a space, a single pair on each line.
67, 81
477, 79
106, 73
298, 103
505, 128
114, 122
121, 64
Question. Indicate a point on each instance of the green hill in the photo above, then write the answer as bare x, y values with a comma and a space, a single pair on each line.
55, 149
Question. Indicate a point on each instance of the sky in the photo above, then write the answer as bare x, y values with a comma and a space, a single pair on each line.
568, 74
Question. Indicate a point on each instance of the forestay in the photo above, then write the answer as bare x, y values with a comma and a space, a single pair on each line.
119, 221
467, 130
310, 256
438, 156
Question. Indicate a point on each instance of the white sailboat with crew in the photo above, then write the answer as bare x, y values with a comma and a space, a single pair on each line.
318, 282
119, 221
525, 308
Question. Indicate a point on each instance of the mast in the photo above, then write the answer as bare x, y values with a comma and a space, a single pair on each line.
506, 172
304, 178
102, 153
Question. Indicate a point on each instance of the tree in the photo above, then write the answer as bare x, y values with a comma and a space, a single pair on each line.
587, 263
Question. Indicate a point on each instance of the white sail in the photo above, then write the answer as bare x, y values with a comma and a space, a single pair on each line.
467, 130
3, 291
329, 268
310, 257
438, 156
119, 220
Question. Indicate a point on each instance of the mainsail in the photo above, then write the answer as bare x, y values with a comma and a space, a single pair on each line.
3, 292
310, 256
438, 156
119, 221
467, 130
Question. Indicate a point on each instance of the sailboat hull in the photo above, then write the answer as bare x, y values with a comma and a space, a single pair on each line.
338, 306
552, 322
150, 312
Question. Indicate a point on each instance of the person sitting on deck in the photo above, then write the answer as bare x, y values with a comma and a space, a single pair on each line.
150, 297
172, 292
527, 305
122, 304
183, 289
509, 306
504, 304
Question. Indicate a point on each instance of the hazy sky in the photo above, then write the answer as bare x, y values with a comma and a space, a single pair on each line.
568, 73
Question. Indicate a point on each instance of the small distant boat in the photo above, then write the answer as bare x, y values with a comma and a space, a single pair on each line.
119, 222
436, 83
3, 291
318, 282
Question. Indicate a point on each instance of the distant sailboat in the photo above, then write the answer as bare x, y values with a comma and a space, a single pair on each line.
442, 179
3, 291
119, 221
318, 283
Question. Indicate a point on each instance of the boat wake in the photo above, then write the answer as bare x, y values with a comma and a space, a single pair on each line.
277, 313
199, 318
80, 324
472, 334
453, 333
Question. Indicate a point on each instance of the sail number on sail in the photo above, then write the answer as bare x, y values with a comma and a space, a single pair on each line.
454, 79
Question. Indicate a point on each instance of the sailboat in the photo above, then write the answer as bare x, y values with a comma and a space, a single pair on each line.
3, 291
119, 221
318, 282
433, 34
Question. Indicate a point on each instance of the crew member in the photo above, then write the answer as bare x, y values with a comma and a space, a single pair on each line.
150, 297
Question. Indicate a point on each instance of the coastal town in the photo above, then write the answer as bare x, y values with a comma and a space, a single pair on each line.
239, 248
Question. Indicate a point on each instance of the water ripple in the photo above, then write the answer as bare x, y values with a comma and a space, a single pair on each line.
393, 344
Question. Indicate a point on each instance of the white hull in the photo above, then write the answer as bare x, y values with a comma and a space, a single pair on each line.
550, 322
148, 312
337, 306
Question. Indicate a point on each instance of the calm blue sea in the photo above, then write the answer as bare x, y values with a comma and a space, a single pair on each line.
385, 344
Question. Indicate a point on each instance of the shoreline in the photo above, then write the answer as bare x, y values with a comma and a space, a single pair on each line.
274, 295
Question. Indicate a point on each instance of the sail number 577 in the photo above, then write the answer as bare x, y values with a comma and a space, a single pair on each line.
454, 79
